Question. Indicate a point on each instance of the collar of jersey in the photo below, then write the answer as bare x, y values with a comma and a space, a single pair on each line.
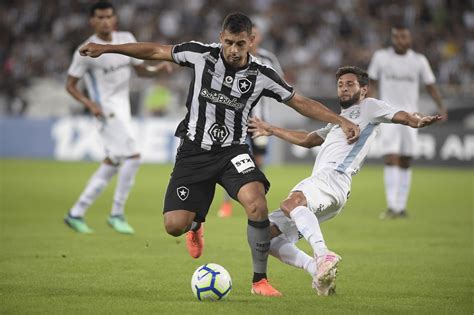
230, 68
352, 106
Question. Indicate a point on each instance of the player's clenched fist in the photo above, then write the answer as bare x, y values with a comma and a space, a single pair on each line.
92, 50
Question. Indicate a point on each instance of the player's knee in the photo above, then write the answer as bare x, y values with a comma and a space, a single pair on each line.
174, 228
294, 200
257, 208
391, 160
287, 206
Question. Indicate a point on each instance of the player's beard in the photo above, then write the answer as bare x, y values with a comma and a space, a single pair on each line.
354, 99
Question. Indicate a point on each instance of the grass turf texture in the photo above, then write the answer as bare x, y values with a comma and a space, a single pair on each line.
420, 265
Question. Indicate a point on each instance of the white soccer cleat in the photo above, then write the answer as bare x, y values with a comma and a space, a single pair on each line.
325, 280
328, 287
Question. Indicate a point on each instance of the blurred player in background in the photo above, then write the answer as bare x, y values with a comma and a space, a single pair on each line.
322, 196
261, 110
397, 71
107, 81
227, 83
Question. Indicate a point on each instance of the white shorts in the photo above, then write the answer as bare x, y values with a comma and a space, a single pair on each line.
398, 139
118, 139
326, 193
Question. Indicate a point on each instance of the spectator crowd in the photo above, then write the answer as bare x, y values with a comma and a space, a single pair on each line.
311, 38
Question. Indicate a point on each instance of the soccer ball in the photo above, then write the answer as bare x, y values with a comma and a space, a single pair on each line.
211, 282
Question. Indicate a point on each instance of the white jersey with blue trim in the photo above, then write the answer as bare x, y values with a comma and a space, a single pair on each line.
107, 77
336, 153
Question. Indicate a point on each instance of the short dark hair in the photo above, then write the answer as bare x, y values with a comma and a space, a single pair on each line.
237, 23
101, 5
399, 25
361, 75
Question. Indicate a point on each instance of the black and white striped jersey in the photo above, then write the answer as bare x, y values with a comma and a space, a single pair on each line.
220, 97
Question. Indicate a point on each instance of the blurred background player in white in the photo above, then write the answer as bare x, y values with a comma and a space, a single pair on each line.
322, 196
261, 110
107, 81
398, 71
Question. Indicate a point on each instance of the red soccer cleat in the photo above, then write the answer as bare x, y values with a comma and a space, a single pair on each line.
195, 242
264, 288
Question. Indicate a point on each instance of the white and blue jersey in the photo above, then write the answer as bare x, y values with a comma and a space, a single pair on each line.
107, 77
347, 158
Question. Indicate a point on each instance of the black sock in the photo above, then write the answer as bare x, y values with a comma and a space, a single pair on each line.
195, 226
258, 276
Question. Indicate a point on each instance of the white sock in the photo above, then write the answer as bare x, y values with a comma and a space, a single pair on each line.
404, 189
125, 181
308, 225
94, 187
391, 179
288, 253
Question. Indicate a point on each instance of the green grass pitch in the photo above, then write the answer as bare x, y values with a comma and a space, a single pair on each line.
420, 265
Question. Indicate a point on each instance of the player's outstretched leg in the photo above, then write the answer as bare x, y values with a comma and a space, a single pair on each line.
326, 260
195, 240
286, 251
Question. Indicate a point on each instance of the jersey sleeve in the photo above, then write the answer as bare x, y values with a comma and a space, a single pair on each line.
426, 74
274, 86
381, 112
323, 132
374, 66
188, 53
79, 65
132, 39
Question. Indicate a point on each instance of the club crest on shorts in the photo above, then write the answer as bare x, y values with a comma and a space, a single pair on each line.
244, 85
183, 192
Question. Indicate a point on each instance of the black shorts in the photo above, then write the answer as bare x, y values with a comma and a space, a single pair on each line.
197, 171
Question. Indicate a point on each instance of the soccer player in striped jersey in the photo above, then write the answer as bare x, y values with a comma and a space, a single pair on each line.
322, 196
107, 82
227, 84
261, 110
397, 72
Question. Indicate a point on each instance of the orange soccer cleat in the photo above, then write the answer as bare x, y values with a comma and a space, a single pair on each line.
195, 242
264, 288
225, 210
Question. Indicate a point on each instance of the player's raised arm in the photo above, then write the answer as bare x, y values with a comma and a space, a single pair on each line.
145, 51
302, 138
316, 110
415, 120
